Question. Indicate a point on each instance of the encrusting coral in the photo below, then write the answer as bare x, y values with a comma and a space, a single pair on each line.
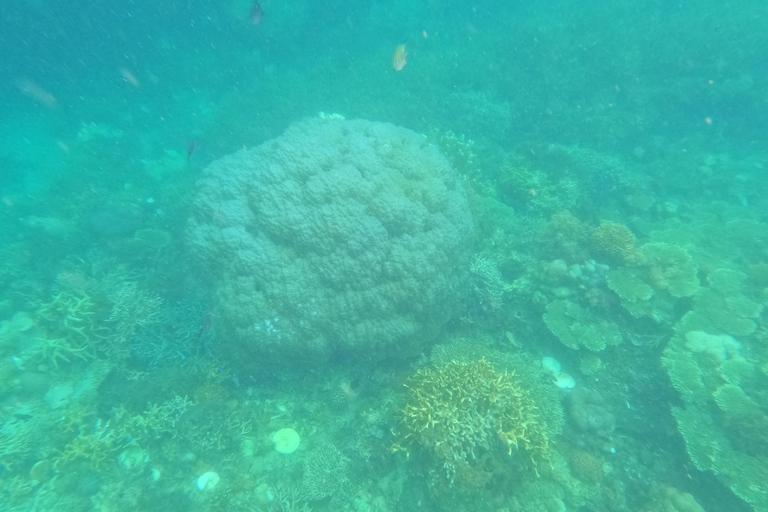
461, 411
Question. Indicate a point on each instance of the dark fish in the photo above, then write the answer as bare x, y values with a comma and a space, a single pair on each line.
191, 148
256, 14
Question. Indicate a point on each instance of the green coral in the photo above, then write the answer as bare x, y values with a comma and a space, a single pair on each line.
669, 499
628, 284
671, 268
66, 329
709, 448
578, 328
734, 402
326, 474
722, 422
726, 281
712, 313
651, 285
460, 411
685, 374
614, 241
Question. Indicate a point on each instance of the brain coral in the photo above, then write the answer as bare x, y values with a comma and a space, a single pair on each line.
338, 237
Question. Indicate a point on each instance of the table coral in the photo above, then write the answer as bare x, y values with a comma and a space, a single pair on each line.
578, 328
651, 283
722, 420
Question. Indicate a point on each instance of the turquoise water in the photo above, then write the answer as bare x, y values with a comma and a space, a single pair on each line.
532, 277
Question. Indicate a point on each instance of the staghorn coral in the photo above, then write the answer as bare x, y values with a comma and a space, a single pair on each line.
337, 237
134, 315
460, 411
528, 371
65, 328
97, 446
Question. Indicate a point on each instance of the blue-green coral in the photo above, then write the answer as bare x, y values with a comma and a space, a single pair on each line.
337, 237
651, 283
578, 328
722, 420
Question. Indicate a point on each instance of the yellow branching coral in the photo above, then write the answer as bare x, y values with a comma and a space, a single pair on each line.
460, 411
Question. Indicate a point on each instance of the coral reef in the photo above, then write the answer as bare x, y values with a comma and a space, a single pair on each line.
488, 286
97, 446
614, 241
460, 411
529, 372
578, 328
669, 499
651, 285
590, 414
337, 237
586, 466
723, 419
326, 474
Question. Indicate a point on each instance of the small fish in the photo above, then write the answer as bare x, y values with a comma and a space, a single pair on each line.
191, 145
33, 90
205, 325
130, 78
398, 58
256, 14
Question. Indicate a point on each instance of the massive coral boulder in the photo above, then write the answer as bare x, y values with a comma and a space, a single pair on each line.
347, 238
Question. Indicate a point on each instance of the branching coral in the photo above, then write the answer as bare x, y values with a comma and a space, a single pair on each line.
66, 328
98, 446
134, 311
461, 410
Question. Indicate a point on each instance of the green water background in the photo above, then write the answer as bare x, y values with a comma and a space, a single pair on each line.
676, 90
